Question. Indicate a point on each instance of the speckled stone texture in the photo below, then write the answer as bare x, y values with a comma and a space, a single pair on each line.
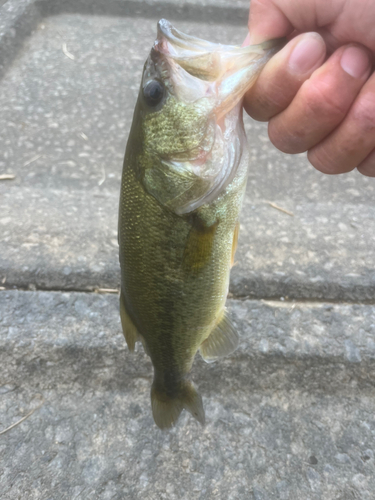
65, 124
291, 414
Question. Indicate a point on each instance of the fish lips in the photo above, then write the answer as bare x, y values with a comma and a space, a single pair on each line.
196, 68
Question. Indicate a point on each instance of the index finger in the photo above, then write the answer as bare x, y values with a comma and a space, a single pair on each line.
278, 18
267, 21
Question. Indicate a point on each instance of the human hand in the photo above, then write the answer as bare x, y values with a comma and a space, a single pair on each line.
318, 92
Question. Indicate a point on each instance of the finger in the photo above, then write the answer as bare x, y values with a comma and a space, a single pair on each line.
367, 166
277, 18
353, 141
322, 101
267, 21
284, 74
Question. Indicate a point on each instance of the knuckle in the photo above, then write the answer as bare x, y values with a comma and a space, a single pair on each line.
321, 159
323, 102
368, 171
367, 167
284, 137
264, 105
363, 113
280, 93
257, 107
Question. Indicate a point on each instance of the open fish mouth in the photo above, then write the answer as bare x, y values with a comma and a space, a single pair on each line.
212, 79
227, 71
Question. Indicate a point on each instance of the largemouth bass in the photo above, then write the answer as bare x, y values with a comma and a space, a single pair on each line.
183, 181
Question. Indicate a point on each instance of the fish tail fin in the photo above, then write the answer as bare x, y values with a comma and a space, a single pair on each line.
166, 409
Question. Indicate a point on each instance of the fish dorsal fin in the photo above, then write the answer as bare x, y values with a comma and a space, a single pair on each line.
221, 342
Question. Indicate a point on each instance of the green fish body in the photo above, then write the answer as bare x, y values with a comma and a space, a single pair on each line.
183, 182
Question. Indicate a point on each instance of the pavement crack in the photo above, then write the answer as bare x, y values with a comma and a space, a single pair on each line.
104, 290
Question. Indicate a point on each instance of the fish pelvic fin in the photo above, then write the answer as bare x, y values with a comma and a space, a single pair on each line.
235, 242
222, 341
129, 329
166, 409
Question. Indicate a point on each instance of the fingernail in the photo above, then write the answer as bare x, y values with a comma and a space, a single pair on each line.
306, 53
355, 62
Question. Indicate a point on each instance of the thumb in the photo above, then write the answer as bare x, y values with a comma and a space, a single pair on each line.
266, 21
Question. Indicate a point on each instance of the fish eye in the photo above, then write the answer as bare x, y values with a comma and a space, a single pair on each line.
153, 92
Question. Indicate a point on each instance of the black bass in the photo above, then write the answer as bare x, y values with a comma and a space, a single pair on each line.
183, 181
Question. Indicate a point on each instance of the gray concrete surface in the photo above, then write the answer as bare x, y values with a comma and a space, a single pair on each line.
65, 134
68, 239
290, 415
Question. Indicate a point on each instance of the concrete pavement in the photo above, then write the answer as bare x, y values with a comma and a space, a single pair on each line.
290, 415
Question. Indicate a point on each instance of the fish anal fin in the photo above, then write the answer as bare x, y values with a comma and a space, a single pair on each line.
235, 242
145, 346
199, 245
129, 329
166, 409
222, 341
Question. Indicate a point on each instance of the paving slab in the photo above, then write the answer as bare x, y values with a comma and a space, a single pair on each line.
65, 122
290, 415
56, 239
20, 17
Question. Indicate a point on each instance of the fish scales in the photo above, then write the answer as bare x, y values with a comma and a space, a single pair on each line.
183, 181
155, 245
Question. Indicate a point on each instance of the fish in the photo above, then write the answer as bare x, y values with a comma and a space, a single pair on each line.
183, 181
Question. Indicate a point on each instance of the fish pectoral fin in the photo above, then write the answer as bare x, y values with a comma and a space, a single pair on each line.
166, 410
199, 245
222, 341
129, 329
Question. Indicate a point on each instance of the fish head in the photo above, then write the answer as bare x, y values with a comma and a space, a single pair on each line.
190, 114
